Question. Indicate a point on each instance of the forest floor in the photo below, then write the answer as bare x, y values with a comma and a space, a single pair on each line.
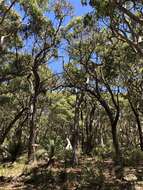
90, 174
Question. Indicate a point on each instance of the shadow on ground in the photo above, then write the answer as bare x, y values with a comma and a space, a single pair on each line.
90, 174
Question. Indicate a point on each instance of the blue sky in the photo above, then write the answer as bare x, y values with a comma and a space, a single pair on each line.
79, 10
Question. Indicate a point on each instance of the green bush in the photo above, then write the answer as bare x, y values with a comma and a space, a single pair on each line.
54, 146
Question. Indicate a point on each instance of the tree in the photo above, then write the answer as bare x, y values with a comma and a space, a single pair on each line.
124, 18
34, 41
89, 69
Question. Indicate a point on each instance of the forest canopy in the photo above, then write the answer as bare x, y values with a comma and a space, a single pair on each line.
90, 105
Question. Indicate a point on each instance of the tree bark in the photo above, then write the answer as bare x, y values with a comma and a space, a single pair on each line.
33, 108
75, 135
118, 157
136, 114
31, 150
89, 130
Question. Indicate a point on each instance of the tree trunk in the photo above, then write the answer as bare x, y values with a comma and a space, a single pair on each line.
75, 148
75, 135
136, 114
118, 157
89, 130
140, 132
113, 120
33, 108
31, 149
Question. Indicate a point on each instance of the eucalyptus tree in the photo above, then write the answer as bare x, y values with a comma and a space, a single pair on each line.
93, 68
12, 67
132, 78
124, 18
46, 41
28, 43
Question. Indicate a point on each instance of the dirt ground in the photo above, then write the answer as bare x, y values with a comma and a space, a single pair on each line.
90, 174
